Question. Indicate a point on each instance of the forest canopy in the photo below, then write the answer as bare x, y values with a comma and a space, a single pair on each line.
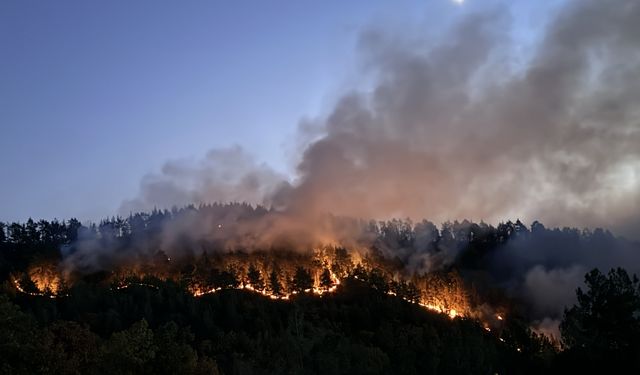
154, 292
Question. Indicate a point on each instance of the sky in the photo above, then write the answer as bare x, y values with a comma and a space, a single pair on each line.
96, 95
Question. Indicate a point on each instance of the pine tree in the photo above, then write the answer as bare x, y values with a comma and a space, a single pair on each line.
325, 279
255, 278
302, 280
275, 287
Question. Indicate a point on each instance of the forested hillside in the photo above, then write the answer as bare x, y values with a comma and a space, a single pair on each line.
152, 294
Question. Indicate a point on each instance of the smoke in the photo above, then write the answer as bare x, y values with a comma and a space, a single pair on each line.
451, 131
224, 175
548, 327
551, 290
456, 129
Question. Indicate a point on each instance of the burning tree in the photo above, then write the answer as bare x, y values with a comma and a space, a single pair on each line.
325, 279
41, 278
255, 278
446, 292
302, 280
275, 286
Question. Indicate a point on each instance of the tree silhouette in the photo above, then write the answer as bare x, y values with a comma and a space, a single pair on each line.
302, 280
325, 279
604, 327
255, 278
275, 287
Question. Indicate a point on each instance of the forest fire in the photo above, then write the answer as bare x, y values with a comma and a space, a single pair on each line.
386, 271
463, 200
41, 279
45, 278
316, 289
277, 276
20, 289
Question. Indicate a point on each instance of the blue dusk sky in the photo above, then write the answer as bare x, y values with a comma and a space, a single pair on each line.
95, 95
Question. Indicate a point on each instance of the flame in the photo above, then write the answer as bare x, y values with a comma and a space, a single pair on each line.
20, 289
443, 293
45, 277
452, 305
451, 313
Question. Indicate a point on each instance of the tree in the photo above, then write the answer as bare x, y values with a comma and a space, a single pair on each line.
17, 234
19, 340
129, 351
302, 280
174, 353
378, 280
275, 287
606, 313
325, 279
342, 262
255, 278
73, 348
32, 232
229, 278
3, 237
606, 321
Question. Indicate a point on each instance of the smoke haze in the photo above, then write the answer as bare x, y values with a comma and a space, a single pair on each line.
456, 130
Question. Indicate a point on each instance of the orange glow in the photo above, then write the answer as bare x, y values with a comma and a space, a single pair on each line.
20, 289
45, 277
439, 292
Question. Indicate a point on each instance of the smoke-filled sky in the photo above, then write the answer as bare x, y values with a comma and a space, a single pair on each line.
485, 110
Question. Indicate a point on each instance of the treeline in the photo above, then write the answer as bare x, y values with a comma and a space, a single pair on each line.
370, 325
418, 247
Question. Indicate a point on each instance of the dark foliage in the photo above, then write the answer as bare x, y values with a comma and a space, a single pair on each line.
158, 327
166, 330
602, 332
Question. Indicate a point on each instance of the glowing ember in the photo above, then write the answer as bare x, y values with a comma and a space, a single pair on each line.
129, 285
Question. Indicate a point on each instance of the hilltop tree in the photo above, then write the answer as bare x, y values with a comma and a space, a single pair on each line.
275, 286
302, 280
325, 279
255, 278
342, 262
229, 278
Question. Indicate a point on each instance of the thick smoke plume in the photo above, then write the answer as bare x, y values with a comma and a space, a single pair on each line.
454, 130
458, 130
